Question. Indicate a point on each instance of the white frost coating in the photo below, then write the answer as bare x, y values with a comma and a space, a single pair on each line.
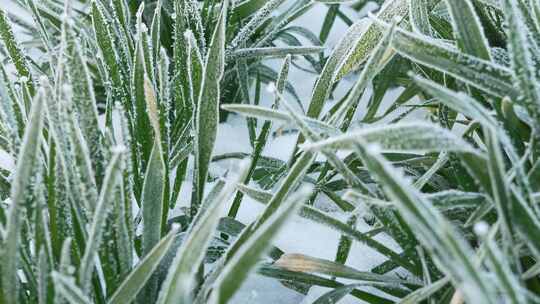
374, 148
271, 87
481, 229
6, 161
119, 149
143, 28
188, 34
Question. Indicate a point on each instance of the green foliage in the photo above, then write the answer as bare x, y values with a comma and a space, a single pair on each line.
117, 110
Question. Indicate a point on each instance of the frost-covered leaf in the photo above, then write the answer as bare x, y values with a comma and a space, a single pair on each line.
303, 263
279, 116
136, 280
419, 17
400, 137
363, 47
487, 76
152, 199
272, 52
104, 38
322, 88
254, 23
26, 163
13, 49
468, 30
207, 115
95, 235
246, 257
181, 276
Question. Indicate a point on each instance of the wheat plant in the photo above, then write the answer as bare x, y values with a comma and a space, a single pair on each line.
110, 108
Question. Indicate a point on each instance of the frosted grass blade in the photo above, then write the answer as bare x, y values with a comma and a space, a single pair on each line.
273, 52
68, 289
246, 257
26, 163
419, 17
325, 80
14, 50
180, 279
467, 28
522, 62
400, 137
208, 107
279, 116
95, 234
138, 277
363, 47
254, 23
152, 199
490, 77
450, 250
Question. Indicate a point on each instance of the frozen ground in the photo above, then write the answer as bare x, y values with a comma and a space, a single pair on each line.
300, 235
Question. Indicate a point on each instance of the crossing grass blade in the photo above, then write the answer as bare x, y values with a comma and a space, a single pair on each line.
245, 258
69, 290
400, 137
95, 234
487, 76
136, 280
448, 247
278, 116
181, 276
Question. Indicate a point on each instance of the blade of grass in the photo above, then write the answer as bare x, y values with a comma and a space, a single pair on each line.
399, 137
450, 250
26, 162
14, 50
180, 280
468, 29
68, 289
95, 234
246, 257
208, 108
138, 277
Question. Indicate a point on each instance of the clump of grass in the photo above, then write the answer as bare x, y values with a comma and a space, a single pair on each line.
105, 118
